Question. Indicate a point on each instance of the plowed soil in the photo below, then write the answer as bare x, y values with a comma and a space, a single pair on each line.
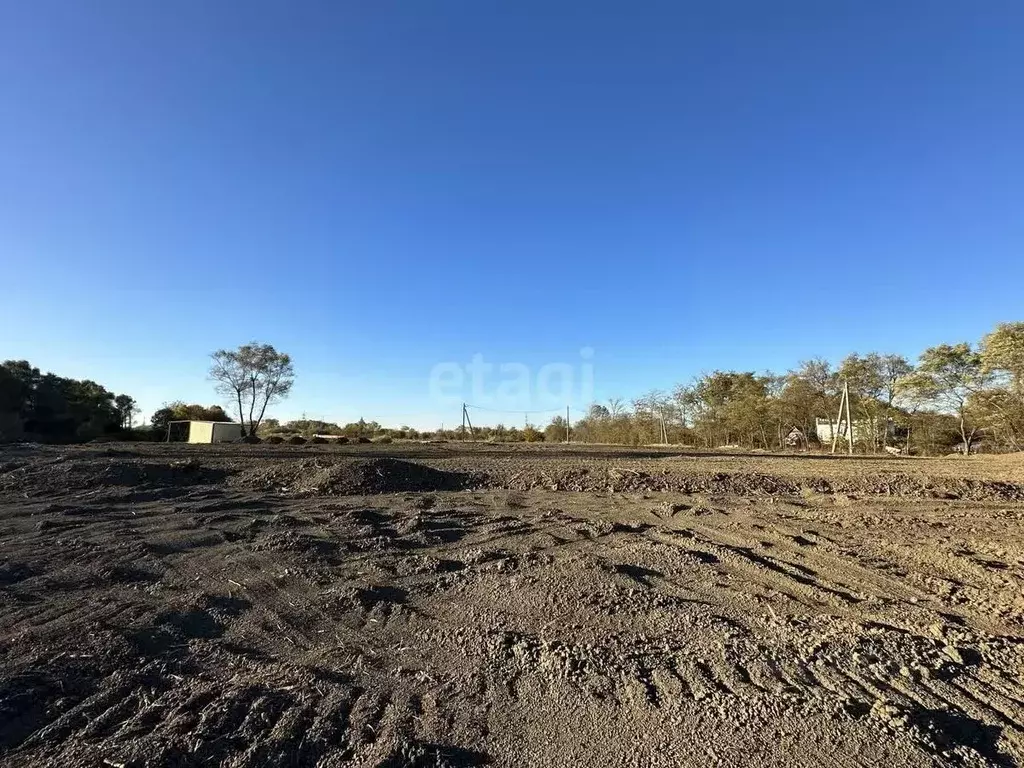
441, 605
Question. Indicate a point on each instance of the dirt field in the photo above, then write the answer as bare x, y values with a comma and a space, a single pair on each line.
434, 605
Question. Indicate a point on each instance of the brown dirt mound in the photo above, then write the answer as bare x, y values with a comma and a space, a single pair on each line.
632, 480
354, 477
901, 484
584, 479
60, 474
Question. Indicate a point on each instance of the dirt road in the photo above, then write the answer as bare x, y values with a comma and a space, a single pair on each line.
440, 606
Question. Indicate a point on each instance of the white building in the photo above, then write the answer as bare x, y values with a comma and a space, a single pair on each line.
203, 431
862, 430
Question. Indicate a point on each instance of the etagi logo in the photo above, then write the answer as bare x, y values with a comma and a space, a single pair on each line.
514, 386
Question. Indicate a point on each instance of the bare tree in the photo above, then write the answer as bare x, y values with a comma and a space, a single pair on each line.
253, 376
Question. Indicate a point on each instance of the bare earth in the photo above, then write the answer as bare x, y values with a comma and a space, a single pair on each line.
441, 605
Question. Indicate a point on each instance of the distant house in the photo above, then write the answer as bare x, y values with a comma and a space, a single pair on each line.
824, 429
203, 431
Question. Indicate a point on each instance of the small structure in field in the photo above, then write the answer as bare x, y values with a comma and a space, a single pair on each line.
203, 431
796, 439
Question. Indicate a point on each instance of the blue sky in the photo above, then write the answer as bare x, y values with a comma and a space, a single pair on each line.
380, 187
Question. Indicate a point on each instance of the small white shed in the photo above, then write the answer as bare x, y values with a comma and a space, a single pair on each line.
204, 431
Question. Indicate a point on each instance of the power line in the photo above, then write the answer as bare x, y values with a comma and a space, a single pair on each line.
526, 410
516, 410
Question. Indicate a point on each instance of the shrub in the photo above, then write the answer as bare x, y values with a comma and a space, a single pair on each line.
532, 435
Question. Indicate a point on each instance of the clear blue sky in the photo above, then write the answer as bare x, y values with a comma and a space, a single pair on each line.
378, 187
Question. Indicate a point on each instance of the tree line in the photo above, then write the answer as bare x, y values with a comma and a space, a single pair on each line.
951, 397
47, 407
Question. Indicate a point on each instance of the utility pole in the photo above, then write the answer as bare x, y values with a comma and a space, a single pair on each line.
839, 421
567, 423
465, 418
849, 422
463, 421
844, 409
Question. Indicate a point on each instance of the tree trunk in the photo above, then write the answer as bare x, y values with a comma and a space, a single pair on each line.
263, 410
963, 434
252, 406
241, 413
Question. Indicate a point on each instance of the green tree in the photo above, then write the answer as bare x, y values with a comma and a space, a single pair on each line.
253, 376
181, 411
872, 380
127, 408
798, 404
731, 407
310, 427
1002, 351
946, 378
555, 432
531, 434
1002, 404
820, 385
51, 407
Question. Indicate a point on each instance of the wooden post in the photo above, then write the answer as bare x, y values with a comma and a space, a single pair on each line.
839, 421
849, 422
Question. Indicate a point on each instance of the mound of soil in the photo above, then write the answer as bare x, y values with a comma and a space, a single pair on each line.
296, 440
60, 475
901, 484
617, 479
355, 477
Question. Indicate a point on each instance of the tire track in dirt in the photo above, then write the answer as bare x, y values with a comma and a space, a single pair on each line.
222, 625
